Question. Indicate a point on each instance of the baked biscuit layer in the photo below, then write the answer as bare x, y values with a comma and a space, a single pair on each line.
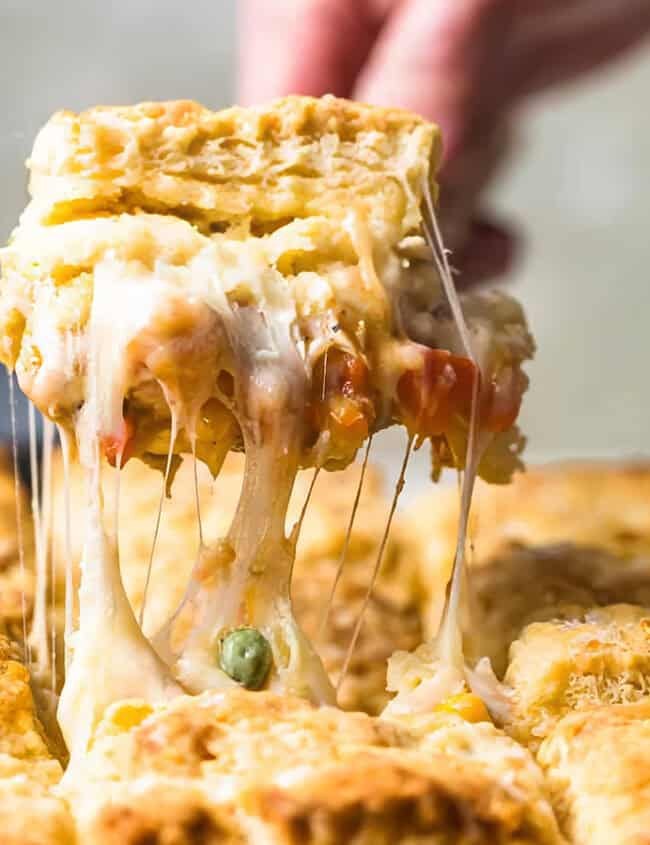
31, 812
392, 620
597, 764
288, 772
601, 657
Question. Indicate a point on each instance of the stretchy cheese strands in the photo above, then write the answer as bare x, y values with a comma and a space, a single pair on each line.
107, 624
346, 542
162, 640
468, 591
19, 515
69, 609
42, 633
399, 486
295, 531
39, 630
49, 437
197, 498
163, 493
449, 639
448, 671
245, 579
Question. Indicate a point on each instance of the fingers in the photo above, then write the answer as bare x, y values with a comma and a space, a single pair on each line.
443, 60
439, 59
311, 47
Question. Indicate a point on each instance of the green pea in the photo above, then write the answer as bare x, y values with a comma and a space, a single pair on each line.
246, 657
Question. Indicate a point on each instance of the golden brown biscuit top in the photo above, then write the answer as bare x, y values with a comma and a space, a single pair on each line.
598, 769
569, 580
291, 157
217, 735
287, 767
393, 798
601, 657
31, 813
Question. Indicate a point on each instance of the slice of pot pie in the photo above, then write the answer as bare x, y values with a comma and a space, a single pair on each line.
189, 224
285, 772
256, 279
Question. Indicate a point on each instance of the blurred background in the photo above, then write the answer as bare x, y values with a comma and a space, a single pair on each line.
579, 185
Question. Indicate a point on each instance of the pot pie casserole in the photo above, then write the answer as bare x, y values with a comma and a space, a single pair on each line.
185, 285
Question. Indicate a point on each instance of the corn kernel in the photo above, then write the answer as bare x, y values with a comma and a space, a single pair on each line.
466, 705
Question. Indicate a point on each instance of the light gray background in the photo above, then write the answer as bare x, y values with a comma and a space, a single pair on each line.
579, 186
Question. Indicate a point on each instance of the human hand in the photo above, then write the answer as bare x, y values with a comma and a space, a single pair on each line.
466, 64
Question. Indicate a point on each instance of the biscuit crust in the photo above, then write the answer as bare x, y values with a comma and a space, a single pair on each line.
295, 773
291, 158
600, 657
31, 812
597, 765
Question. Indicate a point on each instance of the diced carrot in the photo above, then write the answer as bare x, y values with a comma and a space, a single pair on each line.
430, 395
341, 401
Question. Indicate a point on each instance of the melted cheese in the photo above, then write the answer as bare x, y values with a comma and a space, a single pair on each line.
38, 636
245, 579
111, 658
19, 516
